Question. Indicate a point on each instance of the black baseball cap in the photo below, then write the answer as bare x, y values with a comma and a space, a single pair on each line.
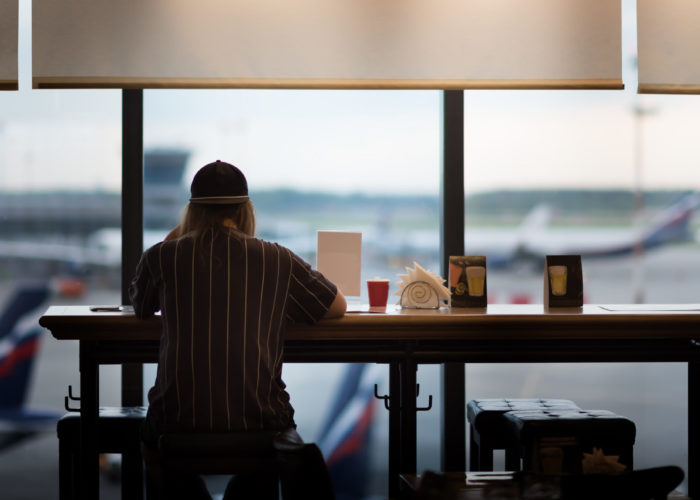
219, 183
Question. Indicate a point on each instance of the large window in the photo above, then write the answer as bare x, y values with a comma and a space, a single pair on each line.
60, 183
546, 172
596, 174
366, 161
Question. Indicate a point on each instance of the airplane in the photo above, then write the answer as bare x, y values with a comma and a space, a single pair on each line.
534, 238
523, 247
20, 336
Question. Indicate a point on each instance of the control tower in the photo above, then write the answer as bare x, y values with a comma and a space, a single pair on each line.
164, 190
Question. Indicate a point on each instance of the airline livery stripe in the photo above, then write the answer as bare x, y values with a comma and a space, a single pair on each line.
22, 352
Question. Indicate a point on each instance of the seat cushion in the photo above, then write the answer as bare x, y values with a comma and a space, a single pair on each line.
582, 423
218, 444
486, 415
572, 441
118, 428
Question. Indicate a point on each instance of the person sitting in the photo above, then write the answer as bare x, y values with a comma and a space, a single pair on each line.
225, 298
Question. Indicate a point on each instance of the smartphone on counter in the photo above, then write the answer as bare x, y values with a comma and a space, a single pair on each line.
112, 308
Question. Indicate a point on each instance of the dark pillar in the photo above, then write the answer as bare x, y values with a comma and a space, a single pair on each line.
132, 221
452, 243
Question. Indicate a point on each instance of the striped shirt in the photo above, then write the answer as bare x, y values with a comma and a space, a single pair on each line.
225, 300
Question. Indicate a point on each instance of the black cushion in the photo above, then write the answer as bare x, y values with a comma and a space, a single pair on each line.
486, 415
557, 442
599, 423
118, 428
214, 444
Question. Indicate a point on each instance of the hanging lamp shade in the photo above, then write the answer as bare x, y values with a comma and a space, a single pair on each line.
668, 45
435, 44
8, 44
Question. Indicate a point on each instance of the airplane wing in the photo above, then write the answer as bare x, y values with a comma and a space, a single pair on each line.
103, 249
55, 252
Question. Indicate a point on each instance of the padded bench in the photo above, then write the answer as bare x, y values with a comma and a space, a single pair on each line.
219, 453
487, 428
552, 442
299, 466
119, 432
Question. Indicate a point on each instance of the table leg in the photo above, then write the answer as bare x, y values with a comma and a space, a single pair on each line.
693, 434
408, 424
132, 464
454, 418
395, 448
89, 412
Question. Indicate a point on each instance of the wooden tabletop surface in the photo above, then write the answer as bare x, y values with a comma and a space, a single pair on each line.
498, 320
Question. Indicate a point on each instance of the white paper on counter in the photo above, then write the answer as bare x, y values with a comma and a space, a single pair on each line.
339, 258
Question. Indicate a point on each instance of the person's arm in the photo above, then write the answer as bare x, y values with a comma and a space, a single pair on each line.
338, 306
142, 292
311, 295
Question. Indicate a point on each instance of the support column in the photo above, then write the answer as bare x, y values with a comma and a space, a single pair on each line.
693, 433
452, 243
132, 221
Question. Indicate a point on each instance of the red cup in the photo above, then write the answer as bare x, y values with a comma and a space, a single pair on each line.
378, 290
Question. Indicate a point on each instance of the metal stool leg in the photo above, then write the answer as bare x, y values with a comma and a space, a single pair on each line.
473, 451
512, 459
485, 456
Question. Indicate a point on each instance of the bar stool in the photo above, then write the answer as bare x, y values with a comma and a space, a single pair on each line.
233, 453
555, 442
119, 432
487, 428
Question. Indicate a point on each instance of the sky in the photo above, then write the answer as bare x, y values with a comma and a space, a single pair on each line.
358, 141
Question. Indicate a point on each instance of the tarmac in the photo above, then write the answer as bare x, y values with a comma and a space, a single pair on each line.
29, 471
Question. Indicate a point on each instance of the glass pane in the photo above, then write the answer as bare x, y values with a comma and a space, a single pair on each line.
60, 184
364, 161
597, 174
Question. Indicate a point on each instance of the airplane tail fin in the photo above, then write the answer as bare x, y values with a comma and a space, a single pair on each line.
345, 436
25, 299
16, 360
536, 219
19, 343
532, 225
673, 223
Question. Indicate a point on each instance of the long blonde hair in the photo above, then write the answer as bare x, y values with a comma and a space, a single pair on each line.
198, 218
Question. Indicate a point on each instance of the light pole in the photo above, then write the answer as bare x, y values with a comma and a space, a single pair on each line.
640, 111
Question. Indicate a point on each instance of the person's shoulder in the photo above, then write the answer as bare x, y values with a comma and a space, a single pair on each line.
273, 247
281, 248
155, 248
170, 245
259, 241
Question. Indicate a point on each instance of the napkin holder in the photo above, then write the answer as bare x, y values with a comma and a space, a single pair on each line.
419, 295
563, 281
467, 277
421, 289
